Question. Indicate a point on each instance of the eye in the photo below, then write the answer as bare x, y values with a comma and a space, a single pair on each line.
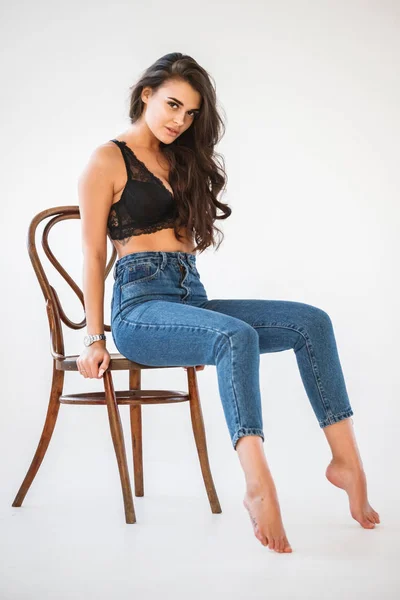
194, 114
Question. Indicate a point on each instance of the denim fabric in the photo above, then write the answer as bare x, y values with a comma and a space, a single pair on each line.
161, 316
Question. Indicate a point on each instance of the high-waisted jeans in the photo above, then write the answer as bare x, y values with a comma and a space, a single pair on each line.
161, 316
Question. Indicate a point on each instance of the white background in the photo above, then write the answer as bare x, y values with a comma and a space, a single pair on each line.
310, 94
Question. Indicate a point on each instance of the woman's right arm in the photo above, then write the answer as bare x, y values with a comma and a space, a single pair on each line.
95, 191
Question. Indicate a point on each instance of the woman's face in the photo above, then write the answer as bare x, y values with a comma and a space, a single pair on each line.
174, 105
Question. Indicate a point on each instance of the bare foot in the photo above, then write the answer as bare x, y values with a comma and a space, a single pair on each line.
265, 515
352, 479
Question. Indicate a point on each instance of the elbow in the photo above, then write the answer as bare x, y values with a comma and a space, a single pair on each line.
96, 256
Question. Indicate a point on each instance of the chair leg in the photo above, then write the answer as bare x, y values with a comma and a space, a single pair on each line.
200, 439
48, 428
136, 433
119, 445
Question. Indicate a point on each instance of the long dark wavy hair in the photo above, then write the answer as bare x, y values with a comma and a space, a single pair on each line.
196, 175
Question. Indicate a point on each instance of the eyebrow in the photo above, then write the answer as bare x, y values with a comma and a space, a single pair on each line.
181, 103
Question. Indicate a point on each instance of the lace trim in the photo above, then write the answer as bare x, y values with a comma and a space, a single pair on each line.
119, 233
137, 169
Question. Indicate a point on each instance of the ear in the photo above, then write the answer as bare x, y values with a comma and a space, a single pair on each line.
146, 93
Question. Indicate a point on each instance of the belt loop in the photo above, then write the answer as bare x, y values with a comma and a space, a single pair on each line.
164, 260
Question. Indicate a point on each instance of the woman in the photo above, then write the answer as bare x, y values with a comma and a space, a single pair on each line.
153, 190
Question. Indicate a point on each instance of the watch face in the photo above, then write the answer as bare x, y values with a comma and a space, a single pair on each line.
86, 340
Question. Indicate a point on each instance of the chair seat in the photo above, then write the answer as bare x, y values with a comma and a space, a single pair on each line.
127, 397
118, 362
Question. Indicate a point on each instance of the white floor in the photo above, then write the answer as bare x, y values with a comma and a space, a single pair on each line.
69, 540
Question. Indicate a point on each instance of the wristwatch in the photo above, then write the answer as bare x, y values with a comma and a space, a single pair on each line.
89, 339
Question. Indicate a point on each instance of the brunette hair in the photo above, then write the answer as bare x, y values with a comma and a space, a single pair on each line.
196, 176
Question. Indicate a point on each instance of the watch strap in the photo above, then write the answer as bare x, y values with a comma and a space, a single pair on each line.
95, 337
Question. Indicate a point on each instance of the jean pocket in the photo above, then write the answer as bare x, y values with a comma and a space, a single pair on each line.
136, 273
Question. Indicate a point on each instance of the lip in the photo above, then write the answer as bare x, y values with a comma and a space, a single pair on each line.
172, 131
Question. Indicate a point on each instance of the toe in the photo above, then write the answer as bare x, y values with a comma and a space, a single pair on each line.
286, 547
259, 536
271, 545
372, 518
366, 523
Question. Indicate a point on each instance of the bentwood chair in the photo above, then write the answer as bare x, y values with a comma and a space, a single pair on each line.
134, 396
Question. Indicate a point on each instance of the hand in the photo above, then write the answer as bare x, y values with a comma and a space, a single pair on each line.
198, 368
93, 360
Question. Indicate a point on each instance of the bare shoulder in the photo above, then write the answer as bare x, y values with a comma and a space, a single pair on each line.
96, 188
103, 166
105, 155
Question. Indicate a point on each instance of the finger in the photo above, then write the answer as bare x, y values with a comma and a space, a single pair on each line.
82, 369
86, 371
103, 367
102, 371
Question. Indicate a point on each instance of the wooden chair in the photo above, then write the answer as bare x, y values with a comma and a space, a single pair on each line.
134, 396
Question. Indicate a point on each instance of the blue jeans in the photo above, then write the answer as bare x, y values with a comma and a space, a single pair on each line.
161, 316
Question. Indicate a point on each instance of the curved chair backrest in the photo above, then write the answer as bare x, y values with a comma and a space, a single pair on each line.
55, 312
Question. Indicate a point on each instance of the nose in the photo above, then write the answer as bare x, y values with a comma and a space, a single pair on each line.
179, 122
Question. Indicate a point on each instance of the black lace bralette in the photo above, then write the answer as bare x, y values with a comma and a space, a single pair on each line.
146, 204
